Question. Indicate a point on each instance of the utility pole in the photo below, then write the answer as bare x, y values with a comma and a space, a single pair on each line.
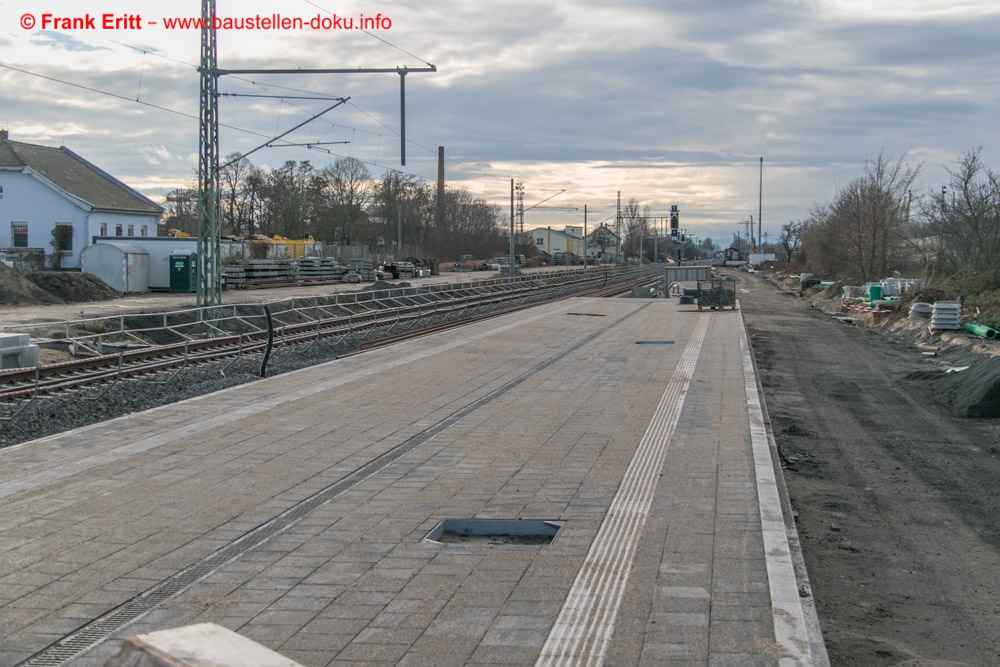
519, 189
510, 269
642, 237
760, 201
440, 189
618, 228
584, 238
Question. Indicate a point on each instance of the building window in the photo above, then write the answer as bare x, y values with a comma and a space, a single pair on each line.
131, 230
1, 192
19, 234
118, 230
104, 229
142, 230
63, 236
540, 241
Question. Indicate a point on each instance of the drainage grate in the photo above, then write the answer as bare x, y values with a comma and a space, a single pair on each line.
517, 532
654, 342
588, 314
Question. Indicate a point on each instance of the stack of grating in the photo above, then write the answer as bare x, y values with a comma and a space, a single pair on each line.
236, 276
365, 269
270, 270
318, 268
946, 315
404, 270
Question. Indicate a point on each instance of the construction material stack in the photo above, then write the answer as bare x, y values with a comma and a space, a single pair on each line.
364, 268
947, 315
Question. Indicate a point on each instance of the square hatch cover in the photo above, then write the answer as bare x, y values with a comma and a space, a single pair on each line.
495, 531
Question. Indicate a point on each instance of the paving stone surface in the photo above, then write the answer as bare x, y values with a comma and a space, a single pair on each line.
318, 488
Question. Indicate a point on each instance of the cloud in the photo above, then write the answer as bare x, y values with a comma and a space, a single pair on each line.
62, 42
673, 103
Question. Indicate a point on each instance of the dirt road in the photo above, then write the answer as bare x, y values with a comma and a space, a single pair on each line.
897, 501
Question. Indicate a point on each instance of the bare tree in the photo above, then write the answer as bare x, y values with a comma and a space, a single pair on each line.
234, 204
862, 233
603, 239
340, 194
874, 212
634, 221
287, 204
790, 238
962, 222
399, 211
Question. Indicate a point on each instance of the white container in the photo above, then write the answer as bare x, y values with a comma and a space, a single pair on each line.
123, 266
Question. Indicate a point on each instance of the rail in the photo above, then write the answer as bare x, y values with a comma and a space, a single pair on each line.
129, 345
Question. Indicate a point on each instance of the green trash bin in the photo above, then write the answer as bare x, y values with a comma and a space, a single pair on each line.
183, 271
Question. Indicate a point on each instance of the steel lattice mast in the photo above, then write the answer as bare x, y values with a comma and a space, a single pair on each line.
209, 288
209, 213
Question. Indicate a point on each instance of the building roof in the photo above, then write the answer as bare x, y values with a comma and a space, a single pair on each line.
73, 174
602, 231
555, 232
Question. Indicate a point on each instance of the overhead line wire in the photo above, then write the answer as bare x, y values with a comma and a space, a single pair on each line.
392, 130
156, 53
124, 98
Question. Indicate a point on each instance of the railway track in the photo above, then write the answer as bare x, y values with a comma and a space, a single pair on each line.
21, 386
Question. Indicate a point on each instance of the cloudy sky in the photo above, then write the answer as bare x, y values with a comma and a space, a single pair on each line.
669, 102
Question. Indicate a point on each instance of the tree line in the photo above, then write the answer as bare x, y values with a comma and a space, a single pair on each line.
878, 225
341, 204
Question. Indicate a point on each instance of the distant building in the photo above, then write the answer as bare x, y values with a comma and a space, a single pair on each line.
603, 245
43, 189
551, 241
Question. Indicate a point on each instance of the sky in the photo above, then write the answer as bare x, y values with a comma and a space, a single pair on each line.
671, 103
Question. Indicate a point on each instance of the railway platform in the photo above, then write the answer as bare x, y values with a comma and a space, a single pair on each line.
305, 511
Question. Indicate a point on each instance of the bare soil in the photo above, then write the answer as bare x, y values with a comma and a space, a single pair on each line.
896, 497
51, 287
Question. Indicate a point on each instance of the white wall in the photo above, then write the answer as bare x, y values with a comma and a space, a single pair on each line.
26, 199
554, 241
97, 218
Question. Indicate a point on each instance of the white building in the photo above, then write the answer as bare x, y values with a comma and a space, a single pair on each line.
551, 241
42, 189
